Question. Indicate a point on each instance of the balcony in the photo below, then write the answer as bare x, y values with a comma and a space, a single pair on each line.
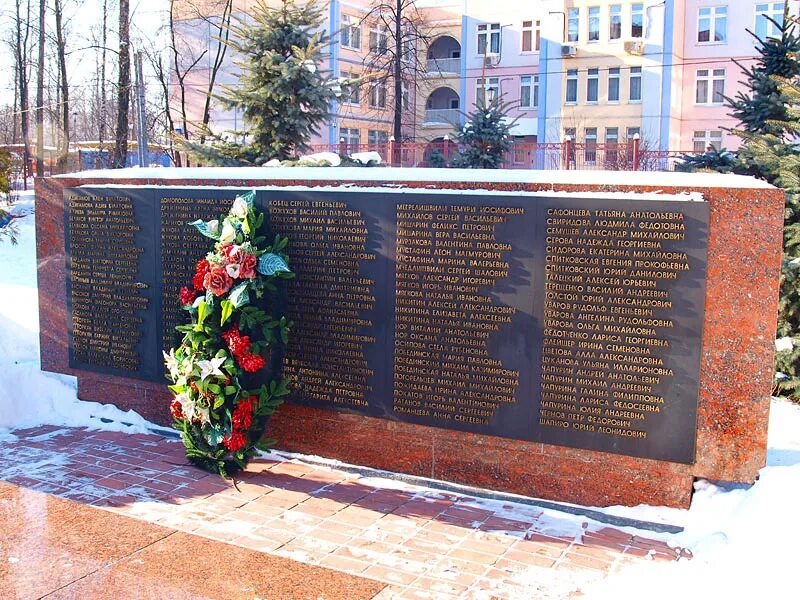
444, 56
444, 65
442, 116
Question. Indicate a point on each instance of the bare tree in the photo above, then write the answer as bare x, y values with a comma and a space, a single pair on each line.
20, 44
40, 93
61, 53
120, 155
398, 37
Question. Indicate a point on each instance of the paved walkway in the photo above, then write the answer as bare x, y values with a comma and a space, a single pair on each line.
417, 543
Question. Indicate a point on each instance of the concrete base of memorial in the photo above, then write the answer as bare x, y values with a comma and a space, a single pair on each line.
743, 264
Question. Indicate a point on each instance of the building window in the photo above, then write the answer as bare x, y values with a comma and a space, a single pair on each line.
352, 93
612, 141
572, 86
710, 86
531, 36
405, 95
351, 33
712, 24
632, 133
573, 24
377, 95
378, 39
615, 22
764, 27
613, 84
612, 135
592, 85
350, 136
637, 20
377, 137
408, 50
636, 85
529, 91
590, 146
703, 139
487, 91
489, 39
569, 133
594, 23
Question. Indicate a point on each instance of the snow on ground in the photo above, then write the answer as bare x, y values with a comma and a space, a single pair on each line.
743, 537
28, 396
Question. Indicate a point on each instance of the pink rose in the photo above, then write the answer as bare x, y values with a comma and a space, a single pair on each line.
217, 281
247, 268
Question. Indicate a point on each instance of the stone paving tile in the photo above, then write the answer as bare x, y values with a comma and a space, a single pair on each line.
424, 546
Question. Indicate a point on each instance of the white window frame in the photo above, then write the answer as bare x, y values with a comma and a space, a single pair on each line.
593, 75
378, 92
615, 74
490, 32
572, 75
491, 89
574, 17
710, 77
637, 9
716, 13
534, 30
377, 137
405, 95
345, 133
593, 10
615, 139
590, 146
535, 96
356, 89
381, 34
711, 137
611, 15
350, 28
635, 72
632, 131
773, 10
526, 81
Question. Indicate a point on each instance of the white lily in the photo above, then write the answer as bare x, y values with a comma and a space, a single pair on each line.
228, 234
240, 208
213, 226
171, 363
210, 367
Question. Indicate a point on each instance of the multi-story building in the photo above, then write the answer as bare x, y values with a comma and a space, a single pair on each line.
596, 71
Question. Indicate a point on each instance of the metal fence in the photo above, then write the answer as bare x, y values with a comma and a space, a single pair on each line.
629, 156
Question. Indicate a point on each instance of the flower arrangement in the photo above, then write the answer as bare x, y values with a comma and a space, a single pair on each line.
232, 302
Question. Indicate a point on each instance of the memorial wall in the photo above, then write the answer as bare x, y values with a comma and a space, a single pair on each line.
563, 319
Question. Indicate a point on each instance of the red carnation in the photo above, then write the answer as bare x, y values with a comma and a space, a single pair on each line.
176, 409
237, 344
203, 267
187, 296
217, 281
252, 362
236, 441
233, 254
247, 268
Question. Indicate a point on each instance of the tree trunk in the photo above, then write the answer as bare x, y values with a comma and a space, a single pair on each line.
398, 73
123, 88
63, 153
21, 53
103, 91
40, 94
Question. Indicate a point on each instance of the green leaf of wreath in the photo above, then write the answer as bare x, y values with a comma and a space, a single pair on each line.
202, 227
269, 264
227, 311
239, 295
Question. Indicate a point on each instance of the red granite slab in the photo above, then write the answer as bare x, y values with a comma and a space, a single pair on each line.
736, 370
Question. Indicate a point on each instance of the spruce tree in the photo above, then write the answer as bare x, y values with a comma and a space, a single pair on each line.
484, 140
282, 94
760, 106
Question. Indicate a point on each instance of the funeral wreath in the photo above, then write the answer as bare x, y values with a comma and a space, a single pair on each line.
225, 381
